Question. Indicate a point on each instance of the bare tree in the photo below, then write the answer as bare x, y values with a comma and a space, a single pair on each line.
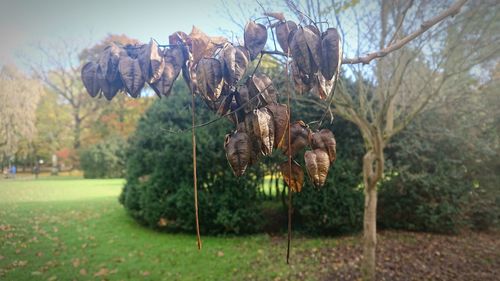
19, 96
391, 92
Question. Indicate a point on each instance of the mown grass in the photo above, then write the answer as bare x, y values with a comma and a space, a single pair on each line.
75, 229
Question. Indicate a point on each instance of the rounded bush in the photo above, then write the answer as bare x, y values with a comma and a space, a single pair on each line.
159, 187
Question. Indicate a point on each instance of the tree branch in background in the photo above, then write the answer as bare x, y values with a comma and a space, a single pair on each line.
451, 11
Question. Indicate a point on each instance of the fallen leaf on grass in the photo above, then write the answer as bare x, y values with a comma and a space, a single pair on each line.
83, 271
220, 253
102, 272
145, 273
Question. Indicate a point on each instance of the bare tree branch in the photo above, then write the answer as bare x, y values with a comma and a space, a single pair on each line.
451, 11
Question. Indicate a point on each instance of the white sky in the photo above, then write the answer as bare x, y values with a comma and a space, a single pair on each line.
24, 23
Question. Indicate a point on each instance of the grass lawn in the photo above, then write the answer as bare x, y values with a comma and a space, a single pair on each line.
75, 229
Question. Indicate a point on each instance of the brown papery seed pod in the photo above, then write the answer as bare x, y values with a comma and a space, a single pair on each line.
238, 149
325, 140
331, 53
131, 75
280, 117
299, 133
209, 78
317, 165
296, 180
255, 37
283, 30
89, 78
263, 126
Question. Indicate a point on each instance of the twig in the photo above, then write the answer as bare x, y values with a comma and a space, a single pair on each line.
289, 238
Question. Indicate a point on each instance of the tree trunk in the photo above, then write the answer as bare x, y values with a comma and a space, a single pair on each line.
373, 168
370, 233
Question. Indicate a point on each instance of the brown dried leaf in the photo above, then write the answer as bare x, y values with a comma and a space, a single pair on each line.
300, 51
296, 181
263, 126
325, 140
299, 134
238, 149
255, 37
131, 75
277, 15
317, 165
198, 42
331, 53
201, 45
283, 30
280, 117
89, 78
209, 78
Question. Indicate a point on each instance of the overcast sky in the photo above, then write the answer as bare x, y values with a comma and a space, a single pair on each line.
24, 23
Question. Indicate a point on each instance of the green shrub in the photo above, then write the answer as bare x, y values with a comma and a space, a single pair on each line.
104, 160
422, 202
160, 177
336, 208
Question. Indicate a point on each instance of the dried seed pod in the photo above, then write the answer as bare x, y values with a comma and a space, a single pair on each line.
263, 126
235, 63
237, 146
131, 75
283, 30
317, 165
176, 56
322, 86
209, 78
255, 37
246, 98
325, 140
301, 42
299, 133
296, 181
156, 62
303, 82
255, 140
109, 89
331, 53
163, 86
108, 62
89, 78
178, 38
280, 117
260, 84
313, 41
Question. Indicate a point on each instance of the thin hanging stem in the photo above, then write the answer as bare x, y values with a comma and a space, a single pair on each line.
289, 167
195, 179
